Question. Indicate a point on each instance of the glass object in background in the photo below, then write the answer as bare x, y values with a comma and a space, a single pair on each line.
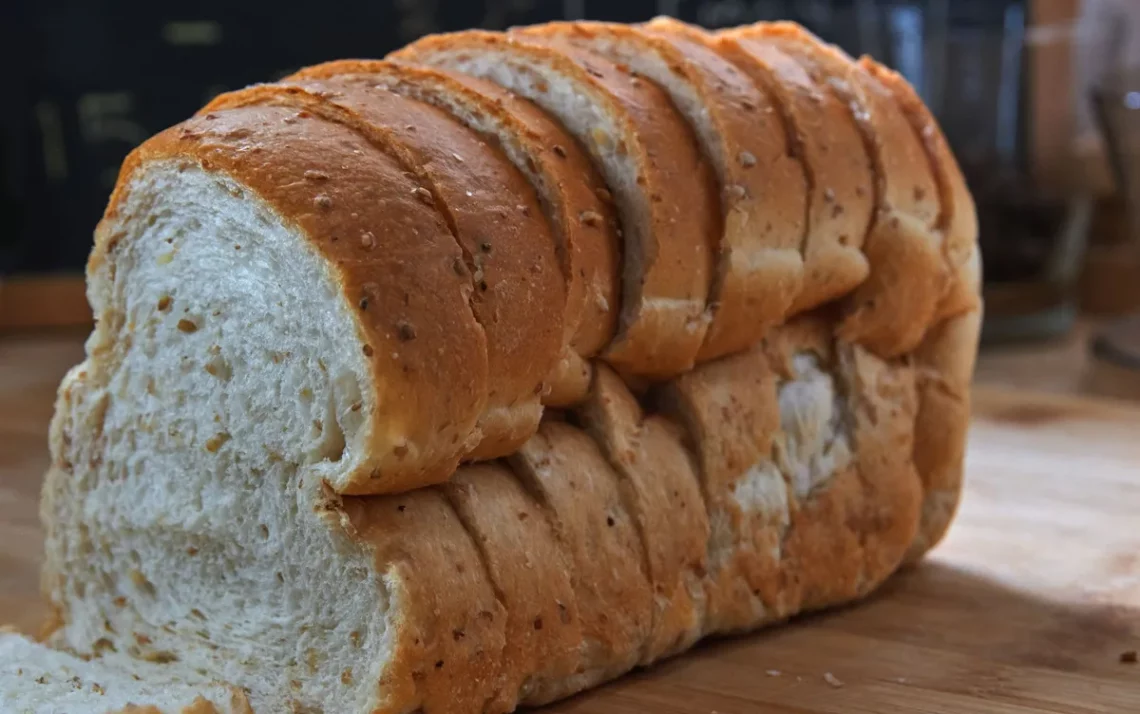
983, 70
1115, 365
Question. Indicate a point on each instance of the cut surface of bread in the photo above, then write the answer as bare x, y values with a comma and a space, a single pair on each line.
758, 262
509, 252
647, 154
574, 196
598, 549
35, 679
303, 237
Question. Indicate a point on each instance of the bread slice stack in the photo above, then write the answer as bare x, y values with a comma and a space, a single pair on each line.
477, 376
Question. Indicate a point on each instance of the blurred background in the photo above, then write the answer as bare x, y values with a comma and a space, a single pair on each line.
1038, 98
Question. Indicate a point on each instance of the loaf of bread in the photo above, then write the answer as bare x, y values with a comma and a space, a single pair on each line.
477, 376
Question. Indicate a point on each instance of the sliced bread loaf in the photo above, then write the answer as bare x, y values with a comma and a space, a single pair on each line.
254, 472
648, 156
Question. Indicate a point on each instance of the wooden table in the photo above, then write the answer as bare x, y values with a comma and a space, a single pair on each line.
1028, 607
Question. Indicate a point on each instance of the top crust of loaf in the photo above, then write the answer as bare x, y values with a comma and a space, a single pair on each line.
957, 219
668, 243
582, 210
762, 194
573, 194
358, 208
893, 308
839, 172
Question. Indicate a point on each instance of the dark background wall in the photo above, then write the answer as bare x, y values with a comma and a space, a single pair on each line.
87, 80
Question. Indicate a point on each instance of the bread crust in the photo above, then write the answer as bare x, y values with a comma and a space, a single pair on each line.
667, 261
446, 626
957, 217
840, 176
567, 473
574, 197
518, 294
660, 488
892, 309
758, 262
944, 362
334, 185
531, 577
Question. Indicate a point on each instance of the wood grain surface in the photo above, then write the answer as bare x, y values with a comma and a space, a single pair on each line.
1028, 606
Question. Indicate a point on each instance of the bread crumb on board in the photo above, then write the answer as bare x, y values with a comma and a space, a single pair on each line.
1128, 657
832, 680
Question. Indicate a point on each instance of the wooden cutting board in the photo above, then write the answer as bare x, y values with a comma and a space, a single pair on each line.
1028, 607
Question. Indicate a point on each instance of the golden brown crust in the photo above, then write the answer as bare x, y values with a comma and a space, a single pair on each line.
758, 265
840, 177
729, 410
944, 362
666, 264
846, 537
335, 186
531, 576
957, 219
446, 626
660, 488
573, 193
944, 366
893, 308
495, 217
581, 495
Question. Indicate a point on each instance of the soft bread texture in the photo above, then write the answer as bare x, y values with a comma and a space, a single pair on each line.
258, 472
574, 197
892, 309
495, 217
35, 679
646, 152
599, 549
758, 267
351, 223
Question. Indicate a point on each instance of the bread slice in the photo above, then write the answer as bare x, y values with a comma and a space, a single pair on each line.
660, 489
957, 217
945, 359
519, 294
35, 679
216, 460
268, 256
800, 443
573, 195
646, 153
893, 308
759, 266
839, 172
531, 576
583, 498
